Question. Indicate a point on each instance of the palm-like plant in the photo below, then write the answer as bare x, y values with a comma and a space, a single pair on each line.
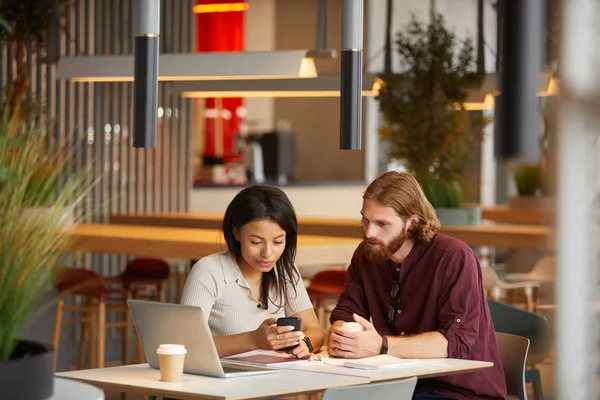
424, 119
33, 177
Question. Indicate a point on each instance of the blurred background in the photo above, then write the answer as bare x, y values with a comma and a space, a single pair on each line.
491, 104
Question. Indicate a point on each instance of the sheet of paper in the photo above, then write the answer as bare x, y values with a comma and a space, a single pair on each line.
383, 361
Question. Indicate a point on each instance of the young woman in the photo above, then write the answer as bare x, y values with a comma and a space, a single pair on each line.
244, 290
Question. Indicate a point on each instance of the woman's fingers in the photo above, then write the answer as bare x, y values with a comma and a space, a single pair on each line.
287, 336
287, 339
301, 351
283, 329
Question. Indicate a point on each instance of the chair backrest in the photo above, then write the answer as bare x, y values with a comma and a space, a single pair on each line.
513, 353
490, 278
397, 390
328, 281
544, 270
509, 319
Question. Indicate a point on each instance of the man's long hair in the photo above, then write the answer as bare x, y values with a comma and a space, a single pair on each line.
403, 193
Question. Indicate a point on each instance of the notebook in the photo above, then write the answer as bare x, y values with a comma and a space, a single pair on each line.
265, 358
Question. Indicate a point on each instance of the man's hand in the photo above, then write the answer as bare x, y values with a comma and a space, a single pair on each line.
349, 344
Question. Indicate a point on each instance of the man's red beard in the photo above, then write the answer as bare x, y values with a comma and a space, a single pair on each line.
383, 252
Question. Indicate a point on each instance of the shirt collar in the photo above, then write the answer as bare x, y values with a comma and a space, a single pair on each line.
231, 271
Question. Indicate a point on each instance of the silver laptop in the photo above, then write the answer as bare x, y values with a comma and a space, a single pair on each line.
161, 323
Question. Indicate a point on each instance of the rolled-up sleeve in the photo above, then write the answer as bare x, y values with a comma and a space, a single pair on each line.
353, 299
459, 306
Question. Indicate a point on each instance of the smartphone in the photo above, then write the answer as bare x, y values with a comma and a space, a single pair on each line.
290, 321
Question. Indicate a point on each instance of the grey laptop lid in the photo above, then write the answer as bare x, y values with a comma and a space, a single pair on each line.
162, 323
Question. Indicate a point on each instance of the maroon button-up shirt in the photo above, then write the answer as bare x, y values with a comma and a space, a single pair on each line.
441, 290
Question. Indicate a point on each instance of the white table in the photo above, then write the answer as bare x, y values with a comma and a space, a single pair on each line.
427, 368
141, 379
66, 389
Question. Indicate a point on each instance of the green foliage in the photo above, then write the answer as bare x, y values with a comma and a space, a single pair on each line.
36, 196
528, 179
25, 20
442, 193
425, 121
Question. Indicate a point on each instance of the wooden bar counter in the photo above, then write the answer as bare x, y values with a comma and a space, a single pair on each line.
186, 243
515, 236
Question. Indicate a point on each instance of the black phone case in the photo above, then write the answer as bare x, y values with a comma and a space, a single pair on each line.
295, 322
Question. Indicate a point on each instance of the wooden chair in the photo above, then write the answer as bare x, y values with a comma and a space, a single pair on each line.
494, 286
89, 285
544, 272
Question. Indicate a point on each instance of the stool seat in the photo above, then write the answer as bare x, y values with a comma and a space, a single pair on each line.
83, 282
143, 272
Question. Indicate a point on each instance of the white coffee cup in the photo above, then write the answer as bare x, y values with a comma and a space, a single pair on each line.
353, 326
170, 360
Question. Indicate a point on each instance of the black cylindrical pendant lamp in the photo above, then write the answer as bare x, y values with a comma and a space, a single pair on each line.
351, 84
521, 66
145, 85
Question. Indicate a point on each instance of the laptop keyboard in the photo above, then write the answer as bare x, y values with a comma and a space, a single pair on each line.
232, 369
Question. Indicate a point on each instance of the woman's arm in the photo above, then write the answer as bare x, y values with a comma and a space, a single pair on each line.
235, 344
267, 336
312, 329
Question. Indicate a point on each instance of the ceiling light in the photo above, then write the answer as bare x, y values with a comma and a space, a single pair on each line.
219, 7
325, 85
287, 64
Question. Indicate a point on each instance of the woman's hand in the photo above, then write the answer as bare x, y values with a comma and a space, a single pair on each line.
301, 351
268, 336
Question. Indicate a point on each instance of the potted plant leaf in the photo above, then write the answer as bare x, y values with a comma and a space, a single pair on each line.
33, 174
425, 121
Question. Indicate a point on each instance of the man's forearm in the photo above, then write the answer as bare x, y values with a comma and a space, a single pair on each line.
422, 345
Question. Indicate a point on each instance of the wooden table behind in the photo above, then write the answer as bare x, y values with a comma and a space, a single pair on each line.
152, 241
516, 236
511, 215
201, 220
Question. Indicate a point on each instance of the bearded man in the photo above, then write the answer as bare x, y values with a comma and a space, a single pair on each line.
422, 290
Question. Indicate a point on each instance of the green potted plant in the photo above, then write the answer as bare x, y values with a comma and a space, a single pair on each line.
33, 174
425, 121
527, 179
531, 187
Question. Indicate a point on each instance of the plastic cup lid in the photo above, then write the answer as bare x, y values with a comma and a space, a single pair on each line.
171, 349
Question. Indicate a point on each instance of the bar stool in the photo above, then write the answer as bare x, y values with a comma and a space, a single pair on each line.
325, 285
89, 284
139, 276
144, 273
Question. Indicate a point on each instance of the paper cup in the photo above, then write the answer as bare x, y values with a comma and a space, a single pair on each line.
353, 326
170, 360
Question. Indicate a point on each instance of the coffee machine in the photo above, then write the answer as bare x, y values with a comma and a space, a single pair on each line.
270, 157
